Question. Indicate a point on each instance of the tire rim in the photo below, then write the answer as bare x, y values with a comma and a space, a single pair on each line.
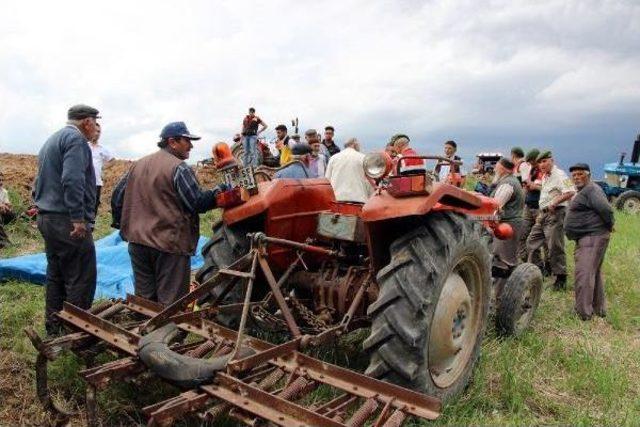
632, 205
456, 323
525, 311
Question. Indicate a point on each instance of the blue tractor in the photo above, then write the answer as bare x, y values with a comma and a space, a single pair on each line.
622, 181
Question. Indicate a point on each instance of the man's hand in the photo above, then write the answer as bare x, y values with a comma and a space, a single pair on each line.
79, 230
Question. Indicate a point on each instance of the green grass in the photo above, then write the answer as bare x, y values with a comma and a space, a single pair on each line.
561, 372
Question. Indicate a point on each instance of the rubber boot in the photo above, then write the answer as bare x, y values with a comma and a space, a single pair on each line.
561, 282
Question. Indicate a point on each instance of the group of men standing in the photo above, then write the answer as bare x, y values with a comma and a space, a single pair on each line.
543, 205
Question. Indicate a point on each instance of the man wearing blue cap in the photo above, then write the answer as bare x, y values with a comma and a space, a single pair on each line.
160, 199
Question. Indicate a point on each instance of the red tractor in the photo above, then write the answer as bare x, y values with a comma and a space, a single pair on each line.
413, 263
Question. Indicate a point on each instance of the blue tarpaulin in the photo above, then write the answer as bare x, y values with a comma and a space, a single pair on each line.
115, 277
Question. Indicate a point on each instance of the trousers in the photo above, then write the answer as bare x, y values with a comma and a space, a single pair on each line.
251, 152
528, 220
159, 276
548, 231
71, 267
589, 286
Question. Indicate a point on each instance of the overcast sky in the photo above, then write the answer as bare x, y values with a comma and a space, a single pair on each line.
558, 74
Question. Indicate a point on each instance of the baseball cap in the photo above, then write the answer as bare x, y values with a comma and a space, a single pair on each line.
177, 129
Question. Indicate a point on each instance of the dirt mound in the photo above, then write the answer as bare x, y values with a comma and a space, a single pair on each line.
19, 171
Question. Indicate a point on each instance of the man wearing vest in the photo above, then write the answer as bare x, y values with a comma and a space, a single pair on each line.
444, 169
508, 192
556, 189
160, 207
250, 132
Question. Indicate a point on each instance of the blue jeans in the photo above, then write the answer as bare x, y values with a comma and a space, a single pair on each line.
251, 154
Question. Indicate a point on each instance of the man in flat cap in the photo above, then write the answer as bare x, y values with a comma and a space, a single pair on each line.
319, 154
510, 196
401, 147
65, 191
298, 168
159, 200
589, 222
556, 189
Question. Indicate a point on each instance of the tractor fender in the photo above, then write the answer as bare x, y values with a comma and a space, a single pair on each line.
184, 371
383, 206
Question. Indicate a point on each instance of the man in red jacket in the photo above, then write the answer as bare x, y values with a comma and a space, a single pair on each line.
408, 166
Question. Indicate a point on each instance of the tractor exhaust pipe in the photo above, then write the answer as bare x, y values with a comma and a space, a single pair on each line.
635, 154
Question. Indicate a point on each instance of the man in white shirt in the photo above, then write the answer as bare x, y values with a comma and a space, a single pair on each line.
521, 168
100, 155
556, 190
445, 170
346, 173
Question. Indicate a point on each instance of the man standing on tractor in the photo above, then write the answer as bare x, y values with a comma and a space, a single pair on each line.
250, 134
328, 142
402, 149
508, 192
589, 222
346, 174
450, 173
556, 189
521, 168
160, 200
298, 168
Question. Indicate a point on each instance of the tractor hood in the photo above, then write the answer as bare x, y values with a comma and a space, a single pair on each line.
624, 169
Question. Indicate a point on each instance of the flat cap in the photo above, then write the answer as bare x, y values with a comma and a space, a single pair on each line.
532, 155
517, 151
311, 132
81, 111
296, 137
580, 167
301, 149
544, 155
507, 163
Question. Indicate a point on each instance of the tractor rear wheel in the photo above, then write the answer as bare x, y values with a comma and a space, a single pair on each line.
225, 246
430, 315
519, 299
629, 202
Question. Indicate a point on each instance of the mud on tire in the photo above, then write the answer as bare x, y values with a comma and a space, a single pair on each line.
629, 202
430, 315
519, 300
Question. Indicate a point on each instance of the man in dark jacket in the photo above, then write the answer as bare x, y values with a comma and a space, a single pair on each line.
298, 168
589, 222
161, 199
64, 193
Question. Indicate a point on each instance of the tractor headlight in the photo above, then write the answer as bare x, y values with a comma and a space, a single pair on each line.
377, 165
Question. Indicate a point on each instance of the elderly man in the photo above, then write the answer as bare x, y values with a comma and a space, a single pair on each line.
346, 174
161, 199
508, 192
298, 168
100, 155
589, 222
402, 148
65, 192
556, 189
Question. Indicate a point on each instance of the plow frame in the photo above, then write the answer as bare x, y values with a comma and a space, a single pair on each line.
271, 384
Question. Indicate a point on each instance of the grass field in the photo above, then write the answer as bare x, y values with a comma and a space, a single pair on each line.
561, 372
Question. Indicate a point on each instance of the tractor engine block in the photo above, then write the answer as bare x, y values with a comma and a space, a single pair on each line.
333, 288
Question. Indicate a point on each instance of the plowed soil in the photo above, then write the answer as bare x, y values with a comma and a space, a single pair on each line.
19, 171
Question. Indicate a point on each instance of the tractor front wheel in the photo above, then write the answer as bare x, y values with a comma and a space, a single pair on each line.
629, 202
430, 315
